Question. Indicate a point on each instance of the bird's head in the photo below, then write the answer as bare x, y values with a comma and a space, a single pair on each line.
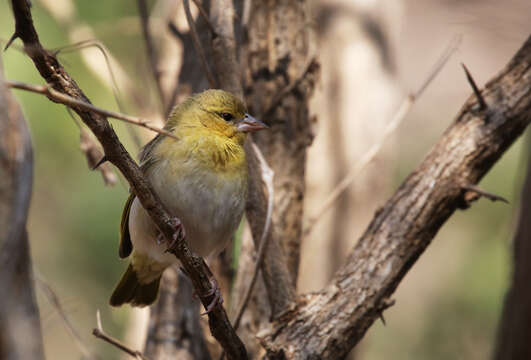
218, 111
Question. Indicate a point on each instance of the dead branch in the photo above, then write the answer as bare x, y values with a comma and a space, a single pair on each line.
58, 79
329, 323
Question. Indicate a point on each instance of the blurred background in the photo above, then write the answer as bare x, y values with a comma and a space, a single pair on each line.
373, 54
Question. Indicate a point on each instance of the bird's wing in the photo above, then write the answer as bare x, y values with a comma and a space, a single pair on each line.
146, 155
146, 161
126, 246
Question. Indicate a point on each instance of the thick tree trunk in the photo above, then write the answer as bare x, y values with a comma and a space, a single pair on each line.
515, 324
20, 330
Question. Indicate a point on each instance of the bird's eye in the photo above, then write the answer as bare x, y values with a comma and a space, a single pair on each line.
226, 116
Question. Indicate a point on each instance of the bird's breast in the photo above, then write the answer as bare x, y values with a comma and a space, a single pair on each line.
209, 202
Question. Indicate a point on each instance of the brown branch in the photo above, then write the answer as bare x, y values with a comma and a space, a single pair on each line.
75, 103
197, 45
329, 323
100, 334
58, 79
150, 49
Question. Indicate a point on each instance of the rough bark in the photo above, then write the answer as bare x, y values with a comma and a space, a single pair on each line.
278, 52
56, 77
20, 329
329, 323
515, 324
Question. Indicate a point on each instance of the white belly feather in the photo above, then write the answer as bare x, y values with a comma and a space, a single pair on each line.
188, 193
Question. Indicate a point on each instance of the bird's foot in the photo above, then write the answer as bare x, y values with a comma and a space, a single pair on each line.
217, 300
178, 235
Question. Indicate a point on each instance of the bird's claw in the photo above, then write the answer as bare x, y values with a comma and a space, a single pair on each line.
217, 300
178, 235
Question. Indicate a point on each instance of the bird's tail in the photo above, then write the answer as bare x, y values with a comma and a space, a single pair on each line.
130, 290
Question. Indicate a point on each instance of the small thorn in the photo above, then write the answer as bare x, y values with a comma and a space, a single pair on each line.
481, 192
102, 160
382, 319
479, 97
384, 305
10, 41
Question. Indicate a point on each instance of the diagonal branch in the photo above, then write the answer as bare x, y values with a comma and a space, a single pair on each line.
56, 76
327, 324
73, 102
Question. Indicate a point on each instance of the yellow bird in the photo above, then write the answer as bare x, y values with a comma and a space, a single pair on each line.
201, 179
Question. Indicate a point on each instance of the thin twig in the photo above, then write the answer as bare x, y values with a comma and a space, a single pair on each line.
114, 83
367, 158
197, 45
150, 49
100, 334
267, 177
56, 303
71, 102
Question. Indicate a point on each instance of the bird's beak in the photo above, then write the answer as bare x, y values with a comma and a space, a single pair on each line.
250, 124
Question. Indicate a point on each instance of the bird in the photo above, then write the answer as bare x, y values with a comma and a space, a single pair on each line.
200, 178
